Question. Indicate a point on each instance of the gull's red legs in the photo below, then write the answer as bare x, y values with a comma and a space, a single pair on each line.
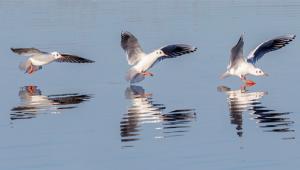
147, 73
247, 82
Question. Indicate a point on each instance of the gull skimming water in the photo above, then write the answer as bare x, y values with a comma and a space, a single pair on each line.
39, 58
240, 66
142, 62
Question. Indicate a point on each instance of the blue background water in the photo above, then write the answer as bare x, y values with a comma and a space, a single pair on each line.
91, 135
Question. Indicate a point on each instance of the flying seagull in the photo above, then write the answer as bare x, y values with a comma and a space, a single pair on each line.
39, 58
241, 67
142, 62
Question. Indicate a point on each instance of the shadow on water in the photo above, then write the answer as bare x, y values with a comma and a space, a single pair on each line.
242, 100
145, 113
33, 103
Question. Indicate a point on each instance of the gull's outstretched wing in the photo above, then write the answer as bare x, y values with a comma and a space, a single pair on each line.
270, 45
173, 51
73, 59
237, 53
28, 52
132, 48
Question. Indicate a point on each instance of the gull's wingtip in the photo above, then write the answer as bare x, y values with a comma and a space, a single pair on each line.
289, 36
90, 61
194, 48
178, 50
243, 34
293, 36
123, 33
13, 49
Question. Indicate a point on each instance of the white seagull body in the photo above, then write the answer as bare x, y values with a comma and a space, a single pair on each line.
142, 62
39, 58
241, 67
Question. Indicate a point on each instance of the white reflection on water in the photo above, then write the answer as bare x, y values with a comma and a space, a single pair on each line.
33, 102
144, 110
242, 100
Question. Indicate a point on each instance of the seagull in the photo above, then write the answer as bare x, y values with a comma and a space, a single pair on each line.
240, 66
39, 58
141, 62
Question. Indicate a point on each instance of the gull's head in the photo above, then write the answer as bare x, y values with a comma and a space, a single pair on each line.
259, 72
56, 54
159, 53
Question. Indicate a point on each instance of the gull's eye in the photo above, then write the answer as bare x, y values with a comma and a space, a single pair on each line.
259, 71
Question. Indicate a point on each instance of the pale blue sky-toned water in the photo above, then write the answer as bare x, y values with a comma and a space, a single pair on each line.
70, 116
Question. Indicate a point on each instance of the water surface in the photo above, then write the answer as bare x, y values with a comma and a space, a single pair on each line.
70, 116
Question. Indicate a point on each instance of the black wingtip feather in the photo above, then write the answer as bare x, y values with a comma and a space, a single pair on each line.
178, 49
73, 59
15, 50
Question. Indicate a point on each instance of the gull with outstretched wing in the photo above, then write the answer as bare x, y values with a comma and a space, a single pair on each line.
240, 66
36, 58
142, 62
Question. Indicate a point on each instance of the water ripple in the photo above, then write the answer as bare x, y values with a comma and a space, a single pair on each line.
269, 120
33, 103
145, 114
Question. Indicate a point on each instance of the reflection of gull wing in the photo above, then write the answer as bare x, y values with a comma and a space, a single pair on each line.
268, 46
28, 52
73, 59
132, 48
269, 120
240, 101
237, 53
68, 99
33, 102
144, 110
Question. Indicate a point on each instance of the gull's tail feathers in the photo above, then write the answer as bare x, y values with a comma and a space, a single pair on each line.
133, 76
28, 67
24, 65
225, 75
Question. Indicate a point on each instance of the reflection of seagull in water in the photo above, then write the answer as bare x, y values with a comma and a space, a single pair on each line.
33, 102
142, 62
241, 67
39, 58
241, 100
144, 111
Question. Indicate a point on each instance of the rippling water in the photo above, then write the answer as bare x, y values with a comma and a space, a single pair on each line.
145, 111
33, 103
243, 101
72, 116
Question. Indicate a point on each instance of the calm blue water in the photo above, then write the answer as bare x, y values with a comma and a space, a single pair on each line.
70, 116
